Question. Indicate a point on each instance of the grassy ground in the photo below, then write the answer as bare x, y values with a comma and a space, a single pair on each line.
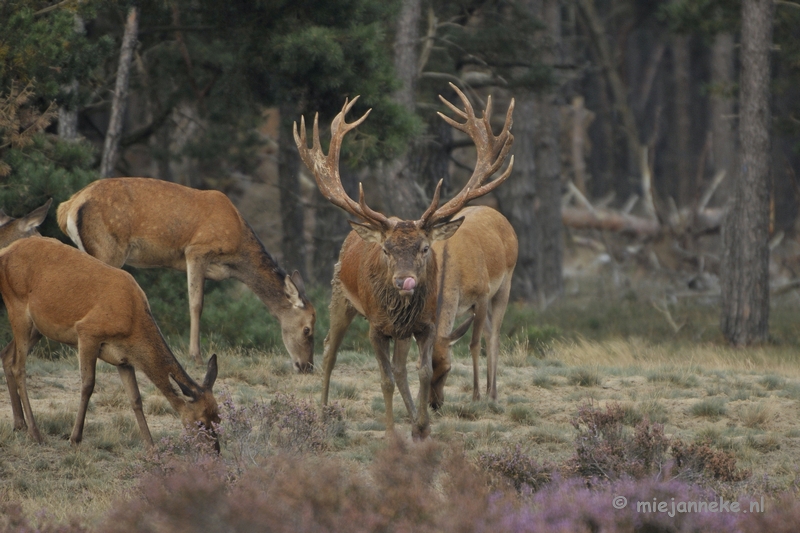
602, 347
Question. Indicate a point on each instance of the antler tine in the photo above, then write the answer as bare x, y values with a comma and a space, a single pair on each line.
434, 205
492, 152
326, 167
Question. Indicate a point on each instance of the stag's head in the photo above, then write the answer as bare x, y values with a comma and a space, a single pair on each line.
297, 324
406, 244
12, 229
199, 408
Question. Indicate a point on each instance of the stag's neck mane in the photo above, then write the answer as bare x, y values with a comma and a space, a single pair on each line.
401, 315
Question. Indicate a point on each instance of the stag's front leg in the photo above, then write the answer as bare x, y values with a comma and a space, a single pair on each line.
380, 343
196, 278
422, 428
399, 368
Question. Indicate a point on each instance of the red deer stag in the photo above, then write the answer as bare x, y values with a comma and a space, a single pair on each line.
54, 290
476, 265
387, 270
146, 222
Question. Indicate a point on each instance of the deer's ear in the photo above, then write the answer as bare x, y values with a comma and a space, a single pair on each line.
186, 391
445, 230
460, 330
367, 232
211, 373
292, 291
35, 218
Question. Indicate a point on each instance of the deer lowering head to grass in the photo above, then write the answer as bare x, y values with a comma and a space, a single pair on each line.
53, 290
146, 222
387, 268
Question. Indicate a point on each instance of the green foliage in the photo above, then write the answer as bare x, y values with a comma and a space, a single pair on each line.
47, 50
496, 38
706, 17
49, 168
301, 57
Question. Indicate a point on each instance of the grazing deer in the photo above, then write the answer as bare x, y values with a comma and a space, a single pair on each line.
387, 270
54, 290
476, 265
146, 222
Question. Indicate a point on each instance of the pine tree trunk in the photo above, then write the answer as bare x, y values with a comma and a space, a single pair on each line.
330, 229
723, 138
531, 198
114, 132
548, 156
683, 125
745, 276
517, 197
292, 240
402, 196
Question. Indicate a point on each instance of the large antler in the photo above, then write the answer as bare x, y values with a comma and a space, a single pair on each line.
326, 168
492, 151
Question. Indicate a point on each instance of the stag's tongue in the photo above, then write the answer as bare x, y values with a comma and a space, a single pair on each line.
409, 284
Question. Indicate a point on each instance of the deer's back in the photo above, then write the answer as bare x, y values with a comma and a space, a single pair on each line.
155, 221
67, 292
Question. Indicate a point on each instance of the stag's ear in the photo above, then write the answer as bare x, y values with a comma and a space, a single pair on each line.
183, 388
292, 291
445, 230
211, 373
35, 218
460, 330
4, 219
366, 232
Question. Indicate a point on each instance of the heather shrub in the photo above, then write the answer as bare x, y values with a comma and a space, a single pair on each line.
699, 459
521, 470
604, 451
13, 520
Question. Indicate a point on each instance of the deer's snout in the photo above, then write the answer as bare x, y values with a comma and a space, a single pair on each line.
405, 283
303, 368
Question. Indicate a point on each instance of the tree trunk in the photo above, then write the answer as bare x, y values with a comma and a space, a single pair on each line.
292, 240
114, 132
531, 200
723, 139
619, 92
402, 196
330, 229
744, 274
516, 198
682, 131
548, 157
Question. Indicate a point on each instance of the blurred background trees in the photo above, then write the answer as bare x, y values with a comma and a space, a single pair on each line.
627, 114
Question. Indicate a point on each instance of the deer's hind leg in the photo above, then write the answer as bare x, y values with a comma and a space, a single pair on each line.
88, 352
497, 312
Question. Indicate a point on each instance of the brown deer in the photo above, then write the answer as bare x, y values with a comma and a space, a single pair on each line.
145, 222
387, 269
54, 290
475, 265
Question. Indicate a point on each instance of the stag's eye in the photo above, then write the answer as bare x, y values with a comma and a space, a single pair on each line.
306, 330
425, 249
385, 251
